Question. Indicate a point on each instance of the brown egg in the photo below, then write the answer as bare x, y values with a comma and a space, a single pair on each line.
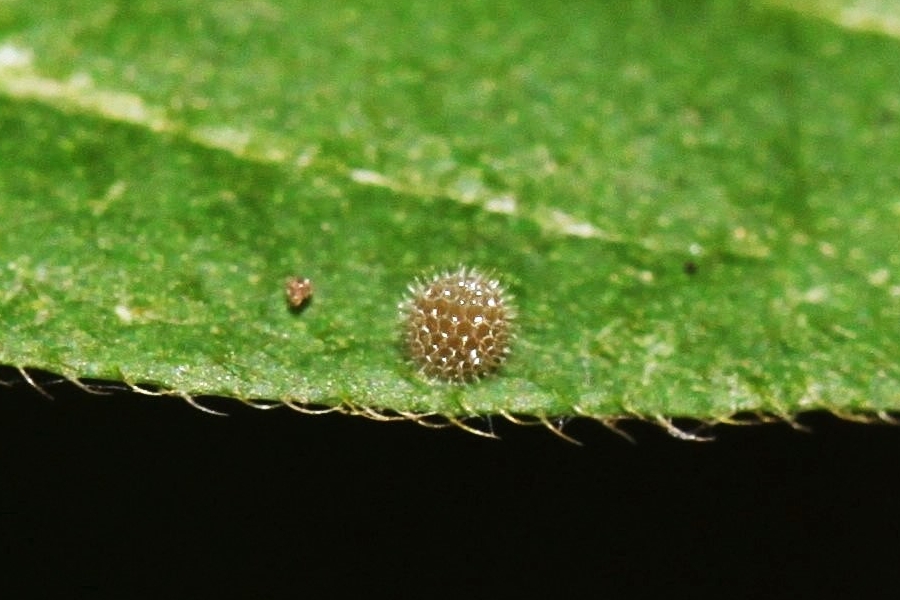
456, 326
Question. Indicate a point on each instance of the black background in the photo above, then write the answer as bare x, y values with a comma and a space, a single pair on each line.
128, 492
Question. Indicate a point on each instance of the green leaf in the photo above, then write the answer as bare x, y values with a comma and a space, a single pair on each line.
696, 205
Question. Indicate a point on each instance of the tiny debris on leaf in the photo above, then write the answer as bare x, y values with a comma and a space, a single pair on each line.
690, 267
298, 291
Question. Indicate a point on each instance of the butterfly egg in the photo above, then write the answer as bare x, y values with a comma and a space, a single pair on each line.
456, 326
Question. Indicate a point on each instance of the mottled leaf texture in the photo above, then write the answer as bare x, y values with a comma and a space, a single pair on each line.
696, 205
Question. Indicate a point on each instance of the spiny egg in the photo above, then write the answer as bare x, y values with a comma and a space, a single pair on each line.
457, 325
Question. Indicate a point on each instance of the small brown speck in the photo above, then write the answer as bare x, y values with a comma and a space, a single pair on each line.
690, 267
298, 290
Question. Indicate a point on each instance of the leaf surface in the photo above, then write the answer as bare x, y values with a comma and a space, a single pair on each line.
697, 207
